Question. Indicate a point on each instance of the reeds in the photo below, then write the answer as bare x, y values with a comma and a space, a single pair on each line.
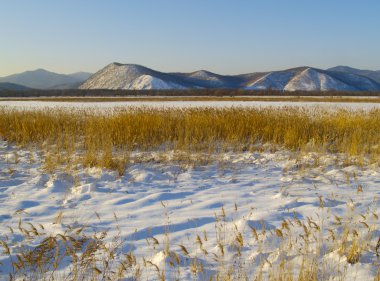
106, 139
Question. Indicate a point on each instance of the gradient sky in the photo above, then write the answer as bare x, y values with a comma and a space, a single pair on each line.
223, 36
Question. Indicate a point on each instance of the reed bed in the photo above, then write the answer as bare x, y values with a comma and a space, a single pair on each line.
97, 138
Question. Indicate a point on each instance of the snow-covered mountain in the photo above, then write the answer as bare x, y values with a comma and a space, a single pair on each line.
132, 77
136, 77
314, 80
43, 79
276, 80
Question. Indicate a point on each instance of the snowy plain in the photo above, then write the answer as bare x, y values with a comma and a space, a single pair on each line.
31, 105
153, 199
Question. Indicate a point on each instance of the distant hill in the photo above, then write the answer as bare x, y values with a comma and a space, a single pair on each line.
136, 77
43, 79
374, 75
81, 76
4, 86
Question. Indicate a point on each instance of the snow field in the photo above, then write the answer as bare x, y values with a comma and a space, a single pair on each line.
268, 207
260, 215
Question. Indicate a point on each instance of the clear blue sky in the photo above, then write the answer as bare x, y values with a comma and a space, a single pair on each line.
224, 36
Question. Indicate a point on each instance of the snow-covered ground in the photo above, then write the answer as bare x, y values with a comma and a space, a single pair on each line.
30, 105
153, 198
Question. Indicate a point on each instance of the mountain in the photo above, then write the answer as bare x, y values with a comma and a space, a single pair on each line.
374, 75
136, 77
4, 86
131, 76
43, 79
81, 76
276, 80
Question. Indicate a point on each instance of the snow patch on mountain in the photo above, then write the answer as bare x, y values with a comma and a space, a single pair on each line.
205, 75
127, 77
147, 82
202, 74
272, 80
313, 80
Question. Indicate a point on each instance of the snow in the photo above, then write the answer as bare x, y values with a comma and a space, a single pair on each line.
273, 80
213, 79
202, 74
155, 198
130, 76
127, 77
31, 105
266, 188
146, 82
312, 80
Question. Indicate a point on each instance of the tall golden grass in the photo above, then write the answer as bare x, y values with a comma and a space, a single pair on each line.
97, 138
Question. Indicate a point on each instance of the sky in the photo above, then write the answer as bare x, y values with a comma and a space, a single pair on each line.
223, 36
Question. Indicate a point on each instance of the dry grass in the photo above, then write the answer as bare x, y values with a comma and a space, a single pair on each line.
98, 139
71, 137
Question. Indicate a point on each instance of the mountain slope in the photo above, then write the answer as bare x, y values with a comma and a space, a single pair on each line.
81, 76
43, 79
374, 75
276, 80
207, 79
316, 80
131, 76
136, 77
5, 86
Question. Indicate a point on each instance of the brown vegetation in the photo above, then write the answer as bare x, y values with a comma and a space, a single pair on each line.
100, 139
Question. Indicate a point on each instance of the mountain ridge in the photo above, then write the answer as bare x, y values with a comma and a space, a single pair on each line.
117, 76
44, 79
373, 74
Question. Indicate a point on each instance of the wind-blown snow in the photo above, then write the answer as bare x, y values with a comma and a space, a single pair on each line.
265, 186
